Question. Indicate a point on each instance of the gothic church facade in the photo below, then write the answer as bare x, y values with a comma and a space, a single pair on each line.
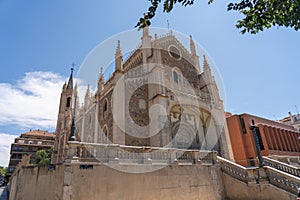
160, 96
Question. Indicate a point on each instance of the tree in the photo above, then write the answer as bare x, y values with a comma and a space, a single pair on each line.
43, 157
258, 14
3, 172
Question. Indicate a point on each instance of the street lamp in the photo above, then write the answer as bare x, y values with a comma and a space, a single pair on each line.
255, 132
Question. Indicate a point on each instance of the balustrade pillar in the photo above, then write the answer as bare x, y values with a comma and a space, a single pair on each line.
72, 152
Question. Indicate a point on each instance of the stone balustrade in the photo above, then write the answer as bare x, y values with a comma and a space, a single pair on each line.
256, 175
105, 153
282, 166
283, 180
237, 171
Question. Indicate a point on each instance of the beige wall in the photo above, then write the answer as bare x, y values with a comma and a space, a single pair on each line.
37, 183
172, 182
71, 183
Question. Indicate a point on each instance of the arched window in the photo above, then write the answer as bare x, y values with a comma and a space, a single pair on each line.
175, 76
68, 102
105, 131
105, 105
107, 137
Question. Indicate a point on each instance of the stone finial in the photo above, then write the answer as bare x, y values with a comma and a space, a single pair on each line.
192, 46
205, 64
118, 58
118, 50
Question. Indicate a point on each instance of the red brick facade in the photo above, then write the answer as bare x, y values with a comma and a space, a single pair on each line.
276, 138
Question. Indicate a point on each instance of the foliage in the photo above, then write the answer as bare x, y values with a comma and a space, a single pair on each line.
43, 157
257, 14
3, 172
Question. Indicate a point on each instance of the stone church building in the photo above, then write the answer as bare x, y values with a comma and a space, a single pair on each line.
154, 129
161, 95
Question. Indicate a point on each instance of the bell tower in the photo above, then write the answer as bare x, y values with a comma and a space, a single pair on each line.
64, 121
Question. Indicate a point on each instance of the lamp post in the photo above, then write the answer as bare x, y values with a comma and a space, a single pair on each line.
255, 132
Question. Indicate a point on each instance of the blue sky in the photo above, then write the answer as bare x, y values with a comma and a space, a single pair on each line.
40, 39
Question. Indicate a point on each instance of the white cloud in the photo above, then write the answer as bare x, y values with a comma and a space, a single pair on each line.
5, 142
33, 101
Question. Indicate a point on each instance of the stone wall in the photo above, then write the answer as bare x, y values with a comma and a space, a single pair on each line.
72, 182
37, 183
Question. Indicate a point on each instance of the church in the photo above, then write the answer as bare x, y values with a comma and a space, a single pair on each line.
154, 129
160, 96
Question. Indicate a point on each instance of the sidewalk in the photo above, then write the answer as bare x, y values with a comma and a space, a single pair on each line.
3, 193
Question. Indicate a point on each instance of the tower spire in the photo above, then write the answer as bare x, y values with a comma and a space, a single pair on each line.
70, 82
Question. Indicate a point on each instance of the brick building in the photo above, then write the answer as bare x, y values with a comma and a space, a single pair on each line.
275, 138
29, 143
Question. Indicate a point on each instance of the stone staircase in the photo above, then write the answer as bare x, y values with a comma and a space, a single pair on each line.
283, 176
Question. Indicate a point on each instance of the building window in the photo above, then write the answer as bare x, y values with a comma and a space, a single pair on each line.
39, 142
11, 169
174, 52
30, 142
105, 105
175, 77
15, 148
68, 102
142, 104
251, 161
105, 132
21, 141
242, 122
